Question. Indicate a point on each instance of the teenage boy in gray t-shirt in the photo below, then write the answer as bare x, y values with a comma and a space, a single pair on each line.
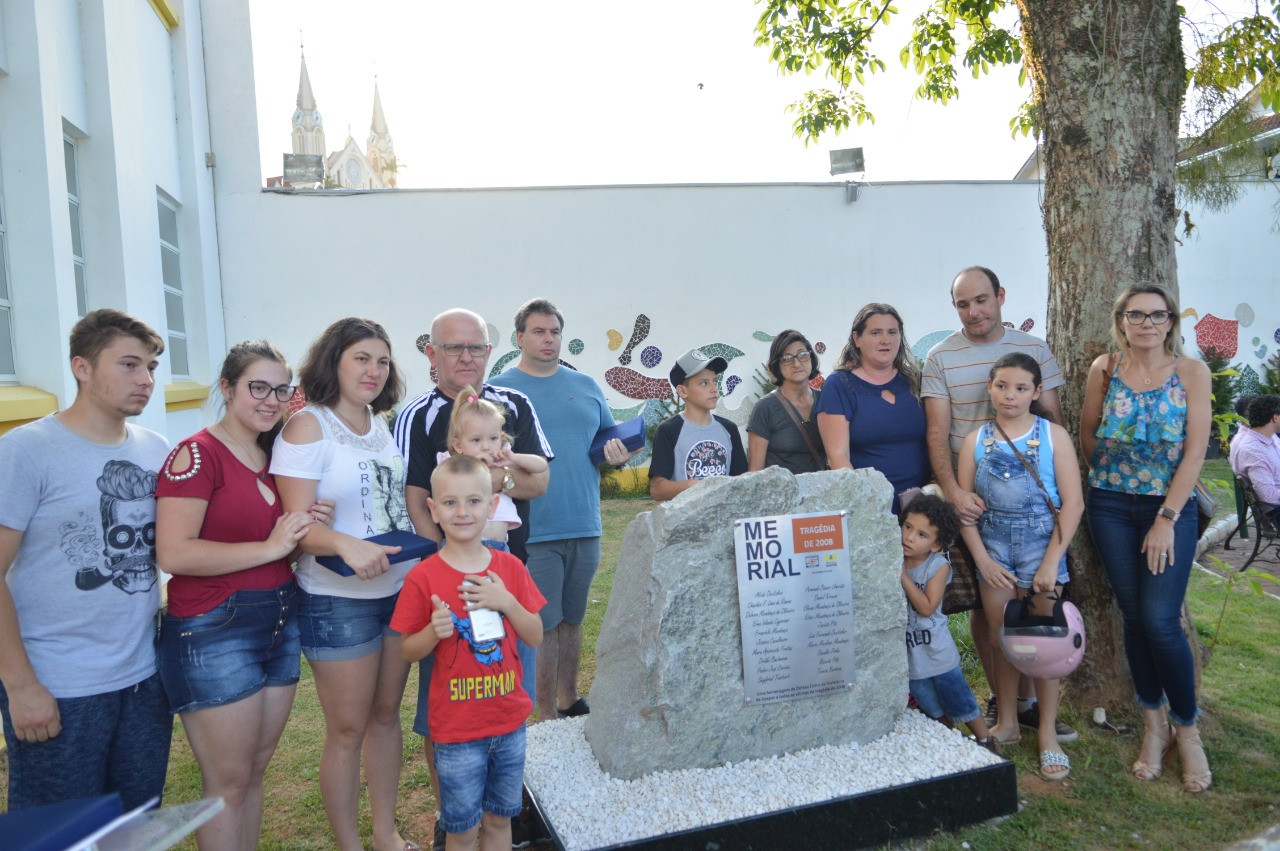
695, 444
84, 711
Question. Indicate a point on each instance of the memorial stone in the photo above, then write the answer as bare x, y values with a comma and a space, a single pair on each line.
668, 691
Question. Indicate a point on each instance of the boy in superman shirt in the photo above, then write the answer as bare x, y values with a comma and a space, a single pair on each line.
466, 604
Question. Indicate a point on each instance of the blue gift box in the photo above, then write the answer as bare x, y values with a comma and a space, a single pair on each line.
411, 547
631, 433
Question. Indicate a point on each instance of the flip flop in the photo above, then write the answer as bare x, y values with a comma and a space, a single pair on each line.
1015, 740
1048, 758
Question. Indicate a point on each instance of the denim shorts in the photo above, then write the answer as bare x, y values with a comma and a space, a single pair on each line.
1017, 543
482, 776
244, 644
946, 694
338, 629
117, 741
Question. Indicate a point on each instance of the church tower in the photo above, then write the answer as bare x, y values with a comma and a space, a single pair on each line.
380, 150
308, 127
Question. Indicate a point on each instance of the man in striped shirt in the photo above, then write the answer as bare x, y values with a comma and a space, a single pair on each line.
954, 389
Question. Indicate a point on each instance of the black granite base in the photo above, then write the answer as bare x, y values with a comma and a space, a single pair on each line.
871, 818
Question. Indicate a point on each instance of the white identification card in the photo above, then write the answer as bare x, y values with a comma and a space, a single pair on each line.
486, 624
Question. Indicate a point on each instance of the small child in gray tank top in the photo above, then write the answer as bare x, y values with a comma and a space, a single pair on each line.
929, 526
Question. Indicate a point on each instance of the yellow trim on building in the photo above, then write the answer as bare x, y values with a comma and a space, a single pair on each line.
20, 405
167, 13
184, 395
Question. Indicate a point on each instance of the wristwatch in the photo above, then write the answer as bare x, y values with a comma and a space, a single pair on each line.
1168, 514
508, 480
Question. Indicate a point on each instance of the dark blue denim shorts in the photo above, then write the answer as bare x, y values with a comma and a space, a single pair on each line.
338, 629
244, 644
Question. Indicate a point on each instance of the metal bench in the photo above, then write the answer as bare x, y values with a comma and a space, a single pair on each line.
1264, 527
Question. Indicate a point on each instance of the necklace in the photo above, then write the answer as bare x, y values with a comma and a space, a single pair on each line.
261, 474
1146, 379
350, 425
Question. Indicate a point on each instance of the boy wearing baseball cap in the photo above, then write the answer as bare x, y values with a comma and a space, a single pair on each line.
695, 444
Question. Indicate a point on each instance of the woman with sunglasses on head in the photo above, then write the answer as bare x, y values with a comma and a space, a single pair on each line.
1144, 427
783, 429
229, 641
339, 447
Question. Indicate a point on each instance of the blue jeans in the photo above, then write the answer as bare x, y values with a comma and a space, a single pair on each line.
1159, 657
117, 741
481, 776
946, 694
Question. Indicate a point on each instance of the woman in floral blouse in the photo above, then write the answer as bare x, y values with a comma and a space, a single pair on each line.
1144, 426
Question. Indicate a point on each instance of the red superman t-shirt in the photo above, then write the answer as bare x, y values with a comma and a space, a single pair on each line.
475, 686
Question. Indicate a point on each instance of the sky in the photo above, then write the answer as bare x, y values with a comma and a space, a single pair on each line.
512, 93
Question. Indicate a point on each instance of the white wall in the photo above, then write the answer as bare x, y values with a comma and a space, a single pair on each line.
706, 264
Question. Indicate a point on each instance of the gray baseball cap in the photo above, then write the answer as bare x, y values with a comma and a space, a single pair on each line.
694, 361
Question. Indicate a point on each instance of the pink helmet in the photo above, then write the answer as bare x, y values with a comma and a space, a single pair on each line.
1042, 647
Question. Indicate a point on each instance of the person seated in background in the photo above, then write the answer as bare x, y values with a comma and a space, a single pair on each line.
695, 444
1256, 453
1242, 408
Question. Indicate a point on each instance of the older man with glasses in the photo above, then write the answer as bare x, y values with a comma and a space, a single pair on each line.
459, 352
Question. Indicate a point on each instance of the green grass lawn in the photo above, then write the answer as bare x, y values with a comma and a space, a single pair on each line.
1100, 806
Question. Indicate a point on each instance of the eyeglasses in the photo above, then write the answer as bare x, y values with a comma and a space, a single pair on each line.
803, 357
261, 390
455, 350
1137, 317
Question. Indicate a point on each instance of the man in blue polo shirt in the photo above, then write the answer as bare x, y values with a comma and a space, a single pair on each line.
564, 523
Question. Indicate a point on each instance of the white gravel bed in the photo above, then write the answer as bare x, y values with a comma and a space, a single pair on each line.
590, 809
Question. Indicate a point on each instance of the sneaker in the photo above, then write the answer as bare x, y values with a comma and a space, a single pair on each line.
1030, 719
520, 834
437, 837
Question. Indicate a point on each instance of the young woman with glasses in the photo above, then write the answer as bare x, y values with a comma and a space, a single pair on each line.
229, 641
1144, 426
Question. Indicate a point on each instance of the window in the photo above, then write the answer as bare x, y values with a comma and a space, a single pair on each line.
171, 274
73, 206
8, 363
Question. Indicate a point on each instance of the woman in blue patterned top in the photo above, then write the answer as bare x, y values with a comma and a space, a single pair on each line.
1144, 426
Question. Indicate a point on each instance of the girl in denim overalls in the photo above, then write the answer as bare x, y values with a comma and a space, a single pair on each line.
1015, 544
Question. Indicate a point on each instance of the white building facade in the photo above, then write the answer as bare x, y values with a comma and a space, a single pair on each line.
107, 195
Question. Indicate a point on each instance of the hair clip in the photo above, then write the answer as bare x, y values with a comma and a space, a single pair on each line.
471, 398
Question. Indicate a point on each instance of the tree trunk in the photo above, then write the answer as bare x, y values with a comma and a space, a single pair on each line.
1108, 78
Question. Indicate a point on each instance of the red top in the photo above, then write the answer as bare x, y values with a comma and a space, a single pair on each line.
238, 511
475, 688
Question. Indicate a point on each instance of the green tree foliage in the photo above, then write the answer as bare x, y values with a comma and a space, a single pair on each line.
835, 37
1271, 375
